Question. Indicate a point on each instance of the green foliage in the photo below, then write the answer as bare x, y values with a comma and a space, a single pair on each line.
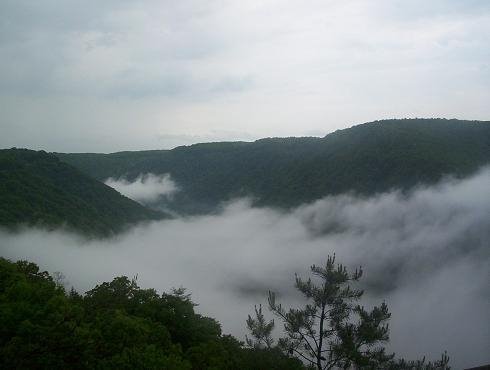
402, 364
324, 332
116, 325
36, 188
366, 159
260, 330
331, 331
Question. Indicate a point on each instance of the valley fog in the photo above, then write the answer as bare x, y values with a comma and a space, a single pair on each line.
425, 253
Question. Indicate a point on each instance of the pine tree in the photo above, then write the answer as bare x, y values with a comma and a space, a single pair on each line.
260, 330
331, 330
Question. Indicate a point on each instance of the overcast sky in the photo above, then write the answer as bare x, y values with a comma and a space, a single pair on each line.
114, 75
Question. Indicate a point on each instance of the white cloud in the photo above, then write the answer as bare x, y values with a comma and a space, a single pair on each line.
146, 188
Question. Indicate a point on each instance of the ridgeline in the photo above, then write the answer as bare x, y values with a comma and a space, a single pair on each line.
286, 172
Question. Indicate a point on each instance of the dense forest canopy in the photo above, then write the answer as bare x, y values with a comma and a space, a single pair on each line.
116, 325
37, 189
286, 172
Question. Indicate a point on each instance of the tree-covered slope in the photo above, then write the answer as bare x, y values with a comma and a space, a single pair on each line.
116, 325
36, 188
285, 172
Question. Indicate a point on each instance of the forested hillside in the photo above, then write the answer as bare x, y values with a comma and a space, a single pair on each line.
36, 188
116, 325
286, 172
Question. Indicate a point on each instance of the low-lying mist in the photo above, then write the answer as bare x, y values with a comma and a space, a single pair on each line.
146, 188
427, 254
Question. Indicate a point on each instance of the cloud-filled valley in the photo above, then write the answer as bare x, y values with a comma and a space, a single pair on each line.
426, 253
167, 167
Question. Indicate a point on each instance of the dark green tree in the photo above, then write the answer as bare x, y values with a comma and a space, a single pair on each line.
402, 364
332, 330
260, 329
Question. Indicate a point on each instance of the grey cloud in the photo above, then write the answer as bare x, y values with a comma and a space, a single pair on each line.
233, 84
54, 46
137, 84
172, 82
420, 9
22, 19
426, 254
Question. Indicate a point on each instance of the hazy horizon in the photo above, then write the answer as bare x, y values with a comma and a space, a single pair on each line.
250, 140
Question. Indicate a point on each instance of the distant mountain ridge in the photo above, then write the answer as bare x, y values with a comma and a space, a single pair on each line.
285, 172
37, 189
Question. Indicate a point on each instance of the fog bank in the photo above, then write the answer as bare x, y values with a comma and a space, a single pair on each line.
146, 188
426, 254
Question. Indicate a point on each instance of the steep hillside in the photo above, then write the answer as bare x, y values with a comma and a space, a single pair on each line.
285, 172
36, 188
